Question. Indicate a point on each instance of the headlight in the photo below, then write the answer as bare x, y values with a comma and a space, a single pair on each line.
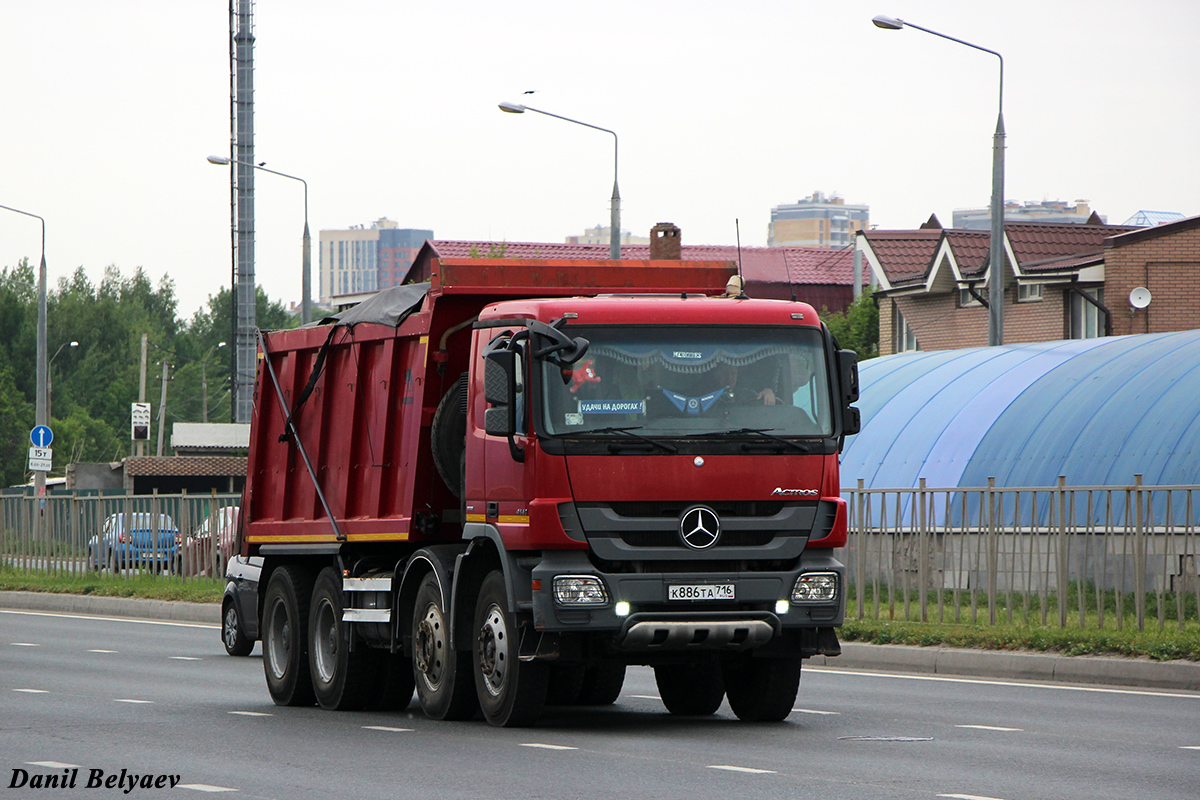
816, 587
580, 590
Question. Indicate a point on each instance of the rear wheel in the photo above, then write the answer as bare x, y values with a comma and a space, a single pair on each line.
236, 641
285, 636
341, 676
761, 689
442, 676
601, 685
511, 692
693, 689
393, 687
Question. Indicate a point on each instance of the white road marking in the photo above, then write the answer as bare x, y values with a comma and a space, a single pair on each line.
251, 713
646, 696
112, 619
104, 651
183, 658
1018, 684
1190, 747
204, 787
969, 797
547, 746
814, 711
24, 644
750, 770
33, 691
131, 700
53, 765
386, 728
990, 728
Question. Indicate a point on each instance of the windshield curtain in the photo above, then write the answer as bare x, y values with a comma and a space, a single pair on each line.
676, 381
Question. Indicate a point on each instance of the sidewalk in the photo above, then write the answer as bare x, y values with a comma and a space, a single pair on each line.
1025, 666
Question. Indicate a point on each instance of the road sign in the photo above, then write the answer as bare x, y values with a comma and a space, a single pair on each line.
41, 436
140, 422
40, 459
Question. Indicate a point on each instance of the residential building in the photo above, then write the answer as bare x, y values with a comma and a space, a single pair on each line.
1145, 218
365, 258
817, 221
1058, 211
602, 234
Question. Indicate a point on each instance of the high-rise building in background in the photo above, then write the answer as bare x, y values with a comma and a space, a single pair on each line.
817, 221
366, 258
1056, 211
601, 234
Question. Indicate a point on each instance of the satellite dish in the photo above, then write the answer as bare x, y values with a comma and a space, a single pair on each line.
1140, 297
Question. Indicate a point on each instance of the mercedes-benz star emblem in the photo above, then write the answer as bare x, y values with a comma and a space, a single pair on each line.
699, 527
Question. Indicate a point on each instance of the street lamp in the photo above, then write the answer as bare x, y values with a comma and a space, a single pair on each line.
306, 247
614, 250
39, 477
50, 376
996, 250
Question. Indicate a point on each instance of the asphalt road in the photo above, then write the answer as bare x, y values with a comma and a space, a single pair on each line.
162, 701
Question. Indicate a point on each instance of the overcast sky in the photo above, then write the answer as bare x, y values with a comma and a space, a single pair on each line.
724, 110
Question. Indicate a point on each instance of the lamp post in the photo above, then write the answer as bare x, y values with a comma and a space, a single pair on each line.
996, 249
306, 246
204, 380
50, 376
39, 477
614, 250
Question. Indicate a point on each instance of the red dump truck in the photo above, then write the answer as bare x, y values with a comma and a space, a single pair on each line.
503, 486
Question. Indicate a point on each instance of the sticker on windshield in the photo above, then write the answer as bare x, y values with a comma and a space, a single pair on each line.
612, 407
573, 419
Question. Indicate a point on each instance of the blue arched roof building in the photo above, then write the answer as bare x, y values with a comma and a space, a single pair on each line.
1097, 411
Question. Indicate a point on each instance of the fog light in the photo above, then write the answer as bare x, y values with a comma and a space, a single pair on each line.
782, 606
622, 609
579, 590
816, 587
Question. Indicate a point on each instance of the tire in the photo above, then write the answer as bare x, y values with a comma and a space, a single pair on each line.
694, 689
448, 436
114, 562
442, 676
343, 675
285, 637
601, 685
564, 684
511, 692
761, 689
236, 641
393, 686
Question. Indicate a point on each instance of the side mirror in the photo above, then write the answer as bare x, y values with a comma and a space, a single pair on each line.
847, 362
500, 390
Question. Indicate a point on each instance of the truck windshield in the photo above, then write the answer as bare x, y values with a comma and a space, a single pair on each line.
678, 382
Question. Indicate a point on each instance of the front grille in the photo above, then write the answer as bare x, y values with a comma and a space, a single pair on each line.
669, 509
671, 539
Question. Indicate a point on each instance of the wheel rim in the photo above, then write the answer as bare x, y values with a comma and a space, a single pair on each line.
231, 627
429, 650
279, 639
493, 650
325, 641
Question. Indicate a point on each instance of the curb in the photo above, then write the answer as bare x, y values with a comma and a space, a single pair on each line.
1002, 664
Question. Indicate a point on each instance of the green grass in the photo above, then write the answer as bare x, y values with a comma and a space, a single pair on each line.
150, 587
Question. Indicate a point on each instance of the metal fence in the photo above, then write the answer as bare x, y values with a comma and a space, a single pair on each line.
123, 535
1086, 556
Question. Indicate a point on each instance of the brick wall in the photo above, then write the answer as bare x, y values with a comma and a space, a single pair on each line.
1169, 266
940, 324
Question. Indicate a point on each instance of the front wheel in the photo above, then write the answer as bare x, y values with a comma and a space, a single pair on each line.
762, 689
341, 676
232, 634
511, 692
285, 637
601, 684
441, 675
693, 689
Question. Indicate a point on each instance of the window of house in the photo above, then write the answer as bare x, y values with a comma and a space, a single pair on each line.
966, 299
1029, 292
1087, 321
906, 338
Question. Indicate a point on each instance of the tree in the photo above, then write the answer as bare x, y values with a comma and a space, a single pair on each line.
858, 328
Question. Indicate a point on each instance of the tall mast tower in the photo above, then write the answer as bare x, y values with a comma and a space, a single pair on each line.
241, 85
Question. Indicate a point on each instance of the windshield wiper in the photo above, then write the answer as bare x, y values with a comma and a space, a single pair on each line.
801, 446
629, 431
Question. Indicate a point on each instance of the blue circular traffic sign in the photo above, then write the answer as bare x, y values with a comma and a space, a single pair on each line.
41, 436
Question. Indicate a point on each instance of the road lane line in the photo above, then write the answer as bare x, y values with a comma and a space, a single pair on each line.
33, 691
386, 728
250, 713
990, 728
1189, 747
24, 644
53, 765
183, 658
104, 651
204, 787
131, 700
1018, 684
969, 797
645, 696
547, 746
750, 770
814, 711
95, 618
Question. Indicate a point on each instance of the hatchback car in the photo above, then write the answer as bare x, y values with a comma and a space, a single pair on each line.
239, 606
134, 539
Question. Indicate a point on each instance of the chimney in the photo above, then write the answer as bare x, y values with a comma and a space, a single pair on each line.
665, 242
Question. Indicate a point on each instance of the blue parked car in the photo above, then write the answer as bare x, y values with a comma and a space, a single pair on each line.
134, 540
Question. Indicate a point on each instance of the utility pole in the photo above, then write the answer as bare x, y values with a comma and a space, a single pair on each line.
139, 447
162, 408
